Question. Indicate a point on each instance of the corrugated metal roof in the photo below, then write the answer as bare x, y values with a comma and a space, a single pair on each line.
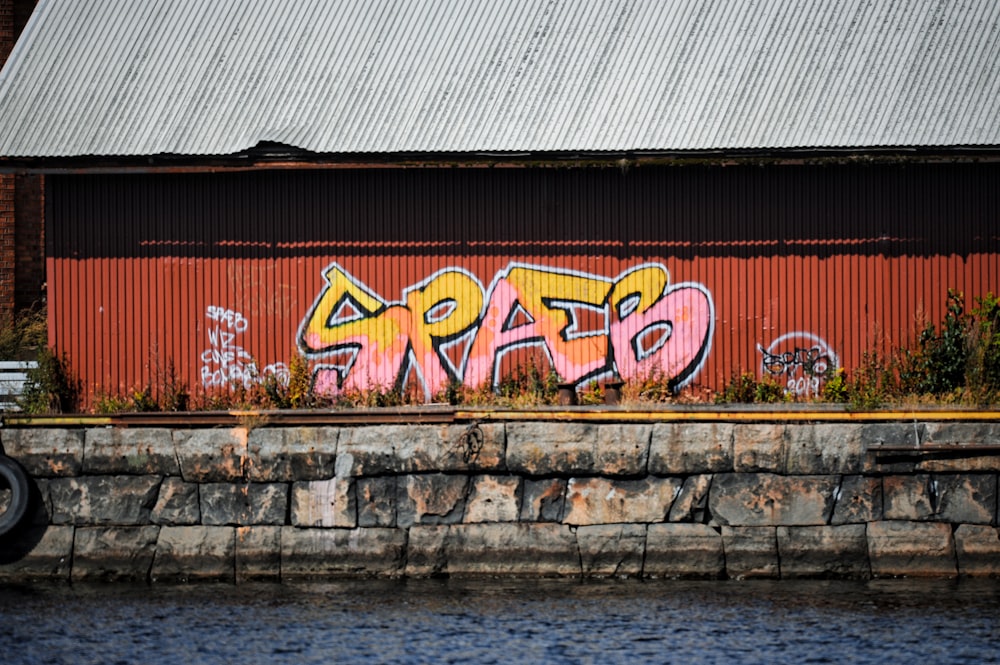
216, 77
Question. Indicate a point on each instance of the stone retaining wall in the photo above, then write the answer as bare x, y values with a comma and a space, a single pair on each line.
515, 498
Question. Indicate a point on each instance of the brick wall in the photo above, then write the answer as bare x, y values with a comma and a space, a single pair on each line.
29, 240
7, 251
6, 28
22, 240
6, 181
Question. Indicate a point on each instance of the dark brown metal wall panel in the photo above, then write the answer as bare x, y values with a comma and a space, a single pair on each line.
224, 273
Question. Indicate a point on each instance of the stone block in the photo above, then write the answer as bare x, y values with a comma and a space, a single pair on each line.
43, 504
493, 499
692, 503
611, 550
511, 548
978, 550
38, 553
242, 504
824, 551
824, 449
911, 549
622, 450
45, 453
287, 454
963, 433
399, 449
966, 498
956, 498
765, 499
319, 553
691, 448
189, 553
177, 503
324, 503
213, 455
550, 448
121, 450
908, 497
751, 552
103, 500
859, 500
376, 498
543, 500
433, 498
894, 434
684, 551
613, 501
759, 448
114, 554
258, 553
427, 555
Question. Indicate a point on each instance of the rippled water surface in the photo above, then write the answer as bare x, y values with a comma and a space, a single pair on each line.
505, 622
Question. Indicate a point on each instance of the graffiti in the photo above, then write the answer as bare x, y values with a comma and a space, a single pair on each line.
225, 363
802, 360
448, 327
234, 321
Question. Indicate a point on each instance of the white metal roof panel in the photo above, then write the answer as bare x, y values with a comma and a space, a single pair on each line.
217, 77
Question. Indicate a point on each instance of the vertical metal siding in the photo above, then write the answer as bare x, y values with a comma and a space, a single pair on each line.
858, 256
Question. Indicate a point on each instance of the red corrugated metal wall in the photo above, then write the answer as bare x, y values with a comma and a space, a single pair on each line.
437, 273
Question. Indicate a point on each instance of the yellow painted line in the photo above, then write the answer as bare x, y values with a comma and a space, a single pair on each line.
575, 414
58, 421
729, 416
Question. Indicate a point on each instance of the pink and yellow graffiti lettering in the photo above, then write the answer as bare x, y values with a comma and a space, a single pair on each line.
363, 342
446, 328
658, 329
365, 338
442, 309
532, 306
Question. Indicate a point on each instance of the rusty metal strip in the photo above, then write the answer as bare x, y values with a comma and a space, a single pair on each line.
928, 452
446, 415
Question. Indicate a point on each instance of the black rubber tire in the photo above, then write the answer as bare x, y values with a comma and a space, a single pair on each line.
15, 478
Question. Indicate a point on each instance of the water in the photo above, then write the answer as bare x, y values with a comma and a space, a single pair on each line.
554, 621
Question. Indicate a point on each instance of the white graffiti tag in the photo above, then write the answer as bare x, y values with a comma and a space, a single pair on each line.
801, 359
227, 364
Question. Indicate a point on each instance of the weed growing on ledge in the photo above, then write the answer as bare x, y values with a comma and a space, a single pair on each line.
956, 363
51, 387
743, 387
529, 385
23, 335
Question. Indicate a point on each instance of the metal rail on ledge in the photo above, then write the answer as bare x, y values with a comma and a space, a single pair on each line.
931, 451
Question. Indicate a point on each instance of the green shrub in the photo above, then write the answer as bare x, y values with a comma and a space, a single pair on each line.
529, 385
744, 388
51, 387
23, 334
106, 403
770, 391
872, 384
836, 388
983, 367
944, 355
